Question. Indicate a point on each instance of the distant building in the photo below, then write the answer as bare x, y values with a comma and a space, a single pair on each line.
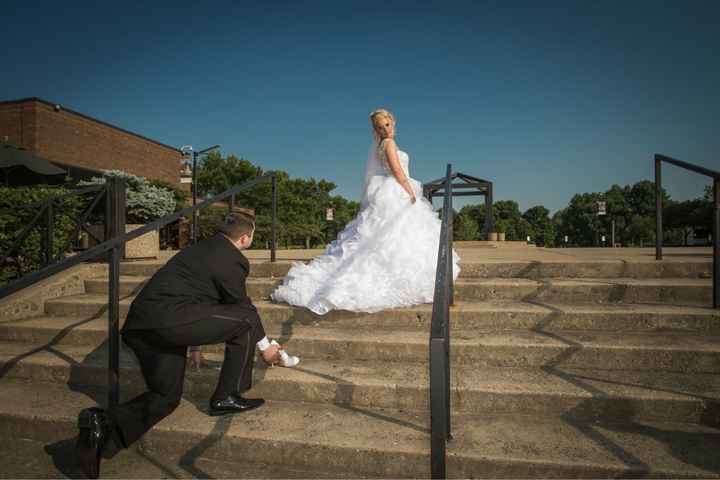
82, 144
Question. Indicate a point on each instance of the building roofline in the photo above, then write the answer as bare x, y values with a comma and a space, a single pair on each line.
88, 117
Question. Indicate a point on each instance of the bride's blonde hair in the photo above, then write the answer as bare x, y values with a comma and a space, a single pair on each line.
380, 113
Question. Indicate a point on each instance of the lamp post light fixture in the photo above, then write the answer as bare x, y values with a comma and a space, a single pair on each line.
188, 150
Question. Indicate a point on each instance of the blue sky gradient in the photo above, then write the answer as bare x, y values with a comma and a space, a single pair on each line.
546, 99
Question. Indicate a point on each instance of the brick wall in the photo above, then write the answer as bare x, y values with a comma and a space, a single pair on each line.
73, 139
17, 124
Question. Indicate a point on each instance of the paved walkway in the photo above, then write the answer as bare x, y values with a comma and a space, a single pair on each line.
533, 254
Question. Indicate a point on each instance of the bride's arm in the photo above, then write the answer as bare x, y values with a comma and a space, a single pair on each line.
396, 169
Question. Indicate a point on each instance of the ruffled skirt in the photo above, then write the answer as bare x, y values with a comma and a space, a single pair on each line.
386, 257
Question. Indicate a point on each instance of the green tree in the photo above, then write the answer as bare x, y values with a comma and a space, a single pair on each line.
631, 207
680, 219
579, 221
216, 174
465, 226
344, 211
474, 219
542, 229
507, 218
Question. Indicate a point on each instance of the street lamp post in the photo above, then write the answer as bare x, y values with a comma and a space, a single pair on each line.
188, 150
601, 211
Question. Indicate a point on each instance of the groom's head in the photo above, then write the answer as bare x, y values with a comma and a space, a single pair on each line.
239, 227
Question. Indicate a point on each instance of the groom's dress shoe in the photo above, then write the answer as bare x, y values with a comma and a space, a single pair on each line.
95, 428
233, 404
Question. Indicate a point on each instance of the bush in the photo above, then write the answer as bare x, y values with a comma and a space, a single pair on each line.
145, 201
30, 255
179, 195
210, 220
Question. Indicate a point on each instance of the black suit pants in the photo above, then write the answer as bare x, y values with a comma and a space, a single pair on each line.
162, 356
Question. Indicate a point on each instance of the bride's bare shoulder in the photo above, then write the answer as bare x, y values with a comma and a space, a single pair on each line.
388, 143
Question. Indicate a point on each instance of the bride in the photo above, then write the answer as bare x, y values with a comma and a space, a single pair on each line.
386, 257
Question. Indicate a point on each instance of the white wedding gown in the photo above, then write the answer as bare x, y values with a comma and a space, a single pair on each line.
386, 257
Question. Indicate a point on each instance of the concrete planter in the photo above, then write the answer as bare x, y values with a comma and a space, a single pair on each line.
501, 236
145, 246
493, 237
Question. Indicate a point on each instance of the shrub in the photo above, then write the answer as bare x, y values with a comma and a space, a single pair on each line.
145, 201
29, 256
179, 195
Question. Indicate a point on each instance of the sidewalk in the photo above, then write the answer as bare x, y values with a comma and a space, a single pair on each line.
533, 254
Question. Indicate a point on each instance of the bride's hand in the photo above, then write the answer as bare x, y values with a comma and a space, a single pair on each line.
412, 198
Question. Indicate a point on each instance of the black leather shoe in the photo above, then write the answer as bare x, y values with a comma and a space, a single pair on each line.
95, 429
233, 404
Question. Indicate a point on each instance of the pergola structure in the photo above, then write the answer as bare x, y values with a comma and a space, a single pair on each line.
467, 185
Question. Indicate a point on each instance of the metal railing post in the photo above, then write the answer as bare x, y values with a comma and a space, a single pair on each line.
451, 234
193, 236
451, 294
273, 226
716, 243
439, 355
489, 222
438, 403
658, 210
117, 227
49, 233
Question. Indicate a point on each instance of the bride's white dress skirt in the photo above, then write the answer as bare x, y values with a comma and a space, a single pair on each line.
385, 258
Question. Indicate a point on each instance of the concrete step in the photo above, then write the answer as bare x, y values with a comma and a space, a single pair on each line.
585, 269
642, 351
29, 458
266, 269
504, 269
489, 315
680, 291
386, 443
581, 393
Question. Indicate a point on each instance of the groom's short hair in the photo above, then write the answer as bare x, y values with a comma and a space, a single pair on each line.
238, 224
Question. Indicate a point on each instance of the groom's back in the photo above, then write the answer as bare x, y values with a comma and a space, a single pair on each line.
189, 279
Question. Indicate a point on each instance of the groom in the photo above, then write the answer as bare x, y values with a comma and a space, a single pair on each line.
197, 298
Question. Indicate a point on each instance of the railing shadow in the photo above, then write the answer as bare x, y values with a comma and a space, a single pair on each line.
620, 417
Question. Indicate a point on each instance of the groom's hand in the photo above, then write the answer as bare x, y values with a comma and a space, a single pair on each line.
271, 355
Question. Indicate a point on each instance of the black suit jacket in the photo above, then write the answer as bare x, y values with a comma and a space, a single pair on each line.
210, 273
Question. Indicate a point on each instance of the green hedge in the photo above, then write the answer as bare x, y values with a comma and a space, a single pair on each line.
29, 257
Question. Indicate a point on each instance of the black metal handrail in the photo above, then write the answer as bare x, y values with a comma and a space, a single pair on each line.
46, 213
440, 431
115, 244
716, 214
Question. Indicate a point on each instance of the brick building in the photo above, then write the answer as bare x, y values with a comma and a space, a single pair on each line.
82, 143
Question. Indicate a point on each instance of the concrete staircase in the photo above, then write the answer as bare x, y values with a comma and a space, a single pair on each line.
560, 369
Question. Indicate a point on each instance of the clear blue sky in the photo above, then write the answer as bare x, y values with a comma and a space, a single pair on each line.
544, 98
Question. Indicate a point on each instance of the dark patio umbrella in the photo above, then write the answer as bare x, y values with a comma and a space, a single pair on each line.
11, 156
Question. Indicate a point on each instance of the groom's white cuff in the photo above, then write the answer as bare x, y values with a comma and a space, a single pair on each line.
263, 344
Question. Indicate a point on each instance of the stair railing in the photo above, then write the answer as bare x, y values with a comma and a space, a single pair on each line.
44, 220
659, 159
114, 246
440, 416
